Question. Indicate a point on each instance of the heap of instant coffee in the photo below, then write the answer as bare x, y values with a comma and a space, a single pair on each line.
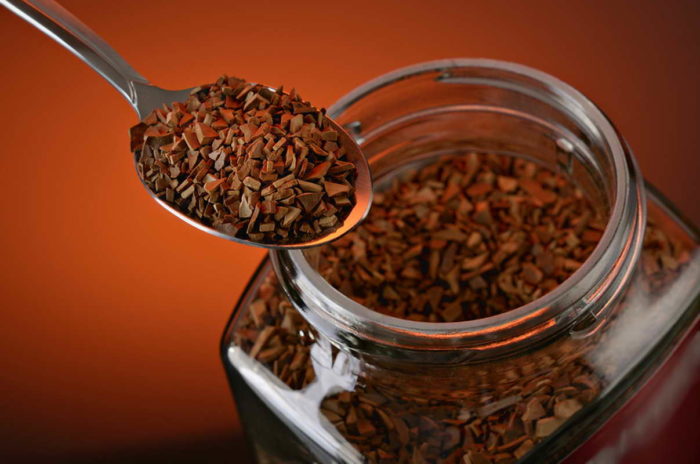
255, 163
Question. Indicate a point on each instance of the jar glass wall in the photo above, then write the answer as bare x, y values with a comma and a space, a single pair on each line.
342, 383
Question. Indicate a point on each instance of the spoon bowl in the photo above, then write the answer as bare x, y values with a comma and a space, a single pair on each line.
363, 200
59, 24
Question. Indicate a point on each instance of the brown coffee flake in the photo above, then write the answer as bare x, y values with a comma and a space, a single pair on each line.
213, 184
566, 408
523, 449
533, 410
532, 274
309, 201
507, 184
333, 189
546, 426
318, 171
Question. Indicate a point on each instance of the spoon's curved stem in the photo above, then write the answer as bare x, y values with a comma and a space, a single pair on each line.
59, 24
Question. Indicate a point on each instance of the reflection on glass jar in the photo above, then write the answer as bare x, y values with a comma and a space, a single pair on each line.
324, 375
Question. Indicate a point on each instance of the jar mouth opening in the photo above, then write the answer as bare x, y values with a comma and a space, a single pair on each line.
354, 315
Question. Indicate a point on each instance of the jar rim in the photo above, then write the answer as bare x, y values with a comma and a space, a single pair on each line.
332, 308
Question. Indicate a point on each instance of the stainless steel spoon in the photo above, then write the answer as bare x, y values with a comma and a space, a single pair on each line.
59, 24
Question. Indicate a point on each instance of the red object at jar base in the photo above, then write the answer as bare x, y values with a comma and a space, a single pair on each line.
659, 423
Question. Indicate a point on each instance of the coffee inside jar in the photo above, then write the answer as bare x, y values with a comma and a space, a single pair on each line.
464, 236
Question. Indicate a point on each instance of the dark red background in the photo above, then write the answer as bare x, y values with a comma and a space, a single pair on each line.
112, 308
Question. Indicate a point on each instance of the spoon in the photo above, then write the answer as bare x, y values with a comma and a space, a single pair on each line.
59, 24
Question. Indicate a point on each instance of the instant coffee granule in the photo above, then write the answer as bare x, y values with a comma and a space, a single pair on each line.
464, 238
257, 164
482, 414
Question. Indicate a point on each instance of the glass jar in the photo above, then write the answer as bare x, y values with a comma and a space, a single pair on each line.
318, 377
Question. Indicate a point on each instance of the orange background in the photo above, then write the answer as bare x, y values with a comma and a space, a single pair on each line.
111, 308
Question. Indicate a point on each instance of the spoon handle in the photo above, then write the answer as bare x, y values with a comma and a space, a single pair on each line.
59, 24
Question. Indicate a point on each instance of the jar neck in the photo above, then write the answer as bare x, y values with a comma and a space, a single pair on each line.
471, 105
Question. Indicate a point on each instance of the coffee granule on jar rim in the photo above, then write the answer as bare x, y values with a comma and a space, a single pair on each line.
255, 163
463, 238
